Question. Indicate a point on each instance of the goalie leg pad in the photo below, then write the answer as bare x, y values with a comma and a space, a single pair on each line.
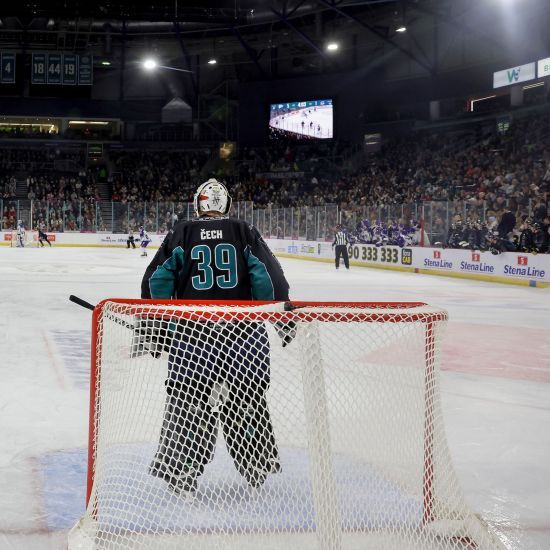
249, 435
188, 436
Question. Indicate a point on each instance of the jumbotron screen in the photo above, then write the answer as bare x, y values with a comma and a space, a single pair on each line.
302, 119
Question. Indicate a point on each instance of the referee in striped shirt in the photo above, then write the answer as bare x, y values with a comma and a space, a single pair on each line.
341, 242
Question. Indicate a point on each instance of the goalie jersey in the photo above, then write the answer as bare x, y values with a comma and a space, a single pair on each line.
214, 258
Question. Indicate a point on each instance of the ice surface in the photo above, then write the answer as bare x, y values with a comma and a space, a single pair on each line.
496, 384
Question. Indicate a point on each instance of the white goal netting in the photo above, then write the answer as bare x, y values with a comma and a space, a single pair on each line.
252, 427
30, 239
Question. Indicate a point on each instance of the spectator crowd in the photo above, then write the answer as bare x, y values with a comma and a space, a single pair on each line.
469, 187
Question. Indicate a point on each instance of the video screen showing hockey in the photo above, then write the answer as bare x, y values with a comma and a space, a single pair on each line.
302, 120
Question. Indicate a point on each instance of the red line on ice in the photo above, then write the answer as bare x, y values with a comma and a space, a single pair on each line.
506, 352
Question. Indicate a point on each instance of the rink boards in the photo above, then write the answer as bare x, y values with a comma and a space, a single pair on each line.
509, 268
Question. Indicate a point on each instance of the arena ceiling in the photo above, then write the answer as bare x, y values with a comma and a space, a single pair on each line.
253, 39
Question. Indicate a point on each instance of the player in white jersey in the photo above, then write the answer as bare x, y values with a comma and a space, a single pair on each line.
144, 240
20, 234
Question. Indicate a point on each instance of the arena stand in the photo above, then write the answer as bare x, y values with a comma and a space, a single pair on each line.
459, 189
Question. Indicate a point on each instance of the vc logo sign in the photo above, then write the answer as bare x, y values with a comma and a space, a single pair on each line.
513, 74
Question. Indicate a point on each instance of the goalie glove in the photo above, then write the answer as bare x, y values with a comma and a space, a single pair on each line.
286, 330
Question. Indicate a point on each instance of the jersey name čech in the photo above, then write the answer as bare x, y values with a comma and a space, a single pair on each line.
214, 259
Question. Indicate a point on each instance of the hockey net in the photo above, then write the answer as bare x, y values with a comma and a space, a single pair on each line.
30, 239
251, 426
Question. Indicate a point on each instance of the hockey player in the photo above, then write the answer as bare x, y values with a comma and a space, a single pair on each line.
216, 372
130, 241
42, 237
341, 243
144, 240
20, 234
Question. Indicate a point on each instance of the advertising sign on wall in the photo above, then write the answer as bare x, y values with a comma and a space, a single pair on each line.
513, 267
514, 75
543, 67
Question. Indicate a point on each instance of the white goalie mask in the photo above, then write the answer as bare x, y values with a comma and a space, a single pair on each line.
211, 196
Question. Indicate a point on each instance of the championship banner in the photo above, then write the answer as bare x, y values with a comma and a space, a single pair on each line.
54, 68
85, 70
70, 69
7, 71
38, 69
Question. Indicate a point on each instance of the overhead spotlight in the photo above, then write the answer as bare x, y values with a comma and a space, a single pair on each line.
332, 46
50, 24
401, 28
106, 63
212, 61
149, 64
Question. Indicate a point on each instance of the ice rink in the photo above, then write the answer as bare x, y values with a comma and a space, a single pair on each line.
496, 384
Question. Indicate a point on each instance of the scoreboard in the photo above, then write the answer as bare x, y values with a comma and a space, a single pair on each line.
61, 69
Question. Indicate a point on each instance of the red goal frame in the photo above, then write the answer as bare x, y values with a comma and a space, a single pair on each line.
388, 312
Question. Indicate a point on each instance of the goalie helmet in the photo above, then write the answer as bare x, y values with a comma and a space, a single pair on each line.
211, 196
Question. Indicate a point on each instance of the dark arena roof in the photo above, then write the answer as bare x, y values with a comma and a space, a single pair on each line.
278, 38
228, 60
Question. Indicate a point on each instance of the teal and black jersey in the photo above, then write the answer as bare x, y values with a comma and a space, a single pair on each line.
216, 258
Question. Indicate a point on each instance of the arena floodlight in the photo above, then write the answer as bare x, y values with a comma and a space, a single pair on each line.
212, 61
149, 64
332, 46
402, 28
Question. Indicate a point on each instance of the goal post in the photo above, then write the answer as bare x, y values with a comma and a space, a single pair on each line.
262, 425
30, 239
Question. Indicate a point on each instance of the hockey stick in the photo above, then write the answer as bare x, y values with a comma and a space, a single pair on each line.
288, 306
286, 332
118, 321
87, 305
81, 302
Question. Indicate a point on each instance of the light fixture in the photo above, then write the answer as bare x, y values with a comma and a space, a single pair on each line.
89, 122
50, 24
212, 61
529, 86
401, 28
149, 64
106, 63
332, 46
